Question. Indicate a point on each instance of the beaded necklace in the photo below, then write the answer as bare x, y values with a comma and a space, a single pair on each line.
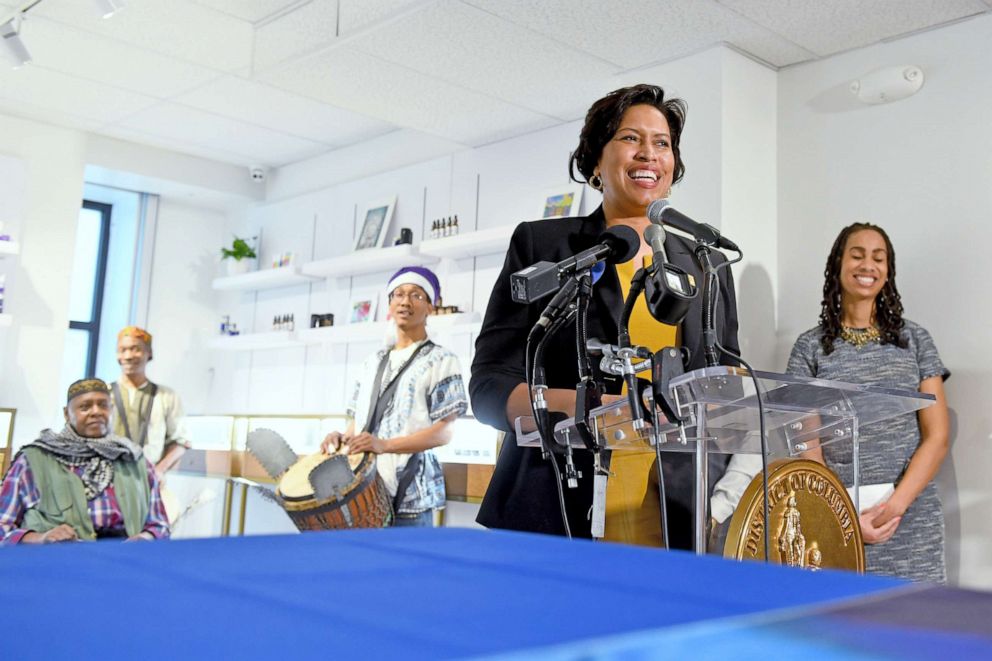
859, 337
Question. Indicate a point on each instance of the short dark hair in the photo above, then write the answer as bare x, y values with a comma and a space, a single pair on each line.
603, 121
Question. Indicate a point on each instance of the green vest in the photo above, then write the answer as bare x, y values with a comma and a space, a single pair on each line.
63, 499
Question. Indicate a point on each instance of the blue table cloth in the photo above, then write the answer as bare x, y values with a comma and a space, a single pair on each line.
455, 593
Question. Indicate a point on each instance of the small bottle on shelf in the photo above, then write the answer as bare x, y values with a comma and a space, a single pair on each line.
456, 224
292, 323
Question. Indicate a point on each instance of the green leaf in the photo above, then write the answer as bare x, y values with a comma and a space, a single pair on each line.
239, 250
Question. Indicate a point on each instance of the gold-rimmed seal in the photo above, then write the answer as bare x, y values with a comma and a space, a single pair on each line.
813, 522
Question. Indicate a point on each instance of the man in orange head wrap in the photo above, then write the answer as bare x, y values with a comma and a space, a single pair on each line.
149, 414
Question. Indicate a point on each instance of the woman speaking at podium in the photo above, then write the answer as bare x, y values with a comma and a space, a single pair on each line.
863, 338
629, 150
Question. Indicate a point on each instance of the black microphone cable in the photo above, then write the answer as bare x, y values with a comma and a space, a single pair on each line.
661, 477
757, 396
623, 341
534, 373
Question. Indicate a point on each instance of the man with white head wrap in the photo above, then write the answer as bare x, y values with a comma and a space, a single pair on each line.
405, 400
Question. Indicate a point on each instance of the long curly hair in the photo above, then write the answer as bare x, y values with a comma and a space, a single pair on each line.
888, 303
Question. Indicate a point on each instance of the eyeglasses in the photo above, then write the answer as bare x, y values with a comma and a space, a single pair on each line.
410, 296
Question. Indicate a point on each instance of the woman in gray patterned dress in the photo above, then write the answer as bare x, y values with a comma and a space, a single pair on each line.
863, 338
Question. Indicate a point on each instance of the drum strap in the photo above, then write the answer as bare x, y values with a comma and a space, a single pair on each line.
380, 401
377, 407
144, 417
406, 477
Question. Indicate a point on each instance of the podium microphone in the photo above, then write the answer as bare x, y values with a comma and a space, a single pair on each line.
616, 245
668, 290
661, 212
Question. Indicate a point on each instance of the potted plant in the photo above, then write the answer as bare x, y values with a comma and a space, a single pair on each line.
240, 256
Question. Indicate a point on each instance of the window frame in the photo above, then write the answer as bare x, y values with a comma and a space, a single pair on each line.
93, 326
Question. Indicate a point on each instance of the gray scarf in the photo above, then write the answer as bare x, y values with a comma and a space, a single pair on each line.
95, 455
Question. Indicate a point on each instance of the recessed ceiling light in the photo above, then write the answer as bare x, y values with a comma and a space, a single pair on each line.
110, 7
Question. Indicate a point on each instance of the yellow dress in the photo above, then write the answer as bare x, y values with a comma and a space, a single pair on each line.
633, 511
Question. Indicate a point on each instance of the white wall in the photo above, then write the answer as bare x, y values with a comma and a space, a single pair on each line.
40, 196
183, 306
749, 209
38, 282
920, 168
497, 184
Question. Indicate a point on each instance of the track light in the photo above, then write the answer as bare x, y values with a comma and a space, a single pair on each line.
110, 7
10, 31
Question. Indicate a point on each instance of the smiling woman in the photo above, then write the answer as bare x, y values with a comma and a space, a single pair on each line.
629, 150
863, 338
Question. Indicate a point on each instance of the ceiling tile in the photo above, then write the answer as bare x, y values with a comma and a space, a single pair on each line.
252, 11
851, 23
180, 146
93, 57
61, 93
356, 14
266, 147
177, 28
350, 79
294, 34
46, 116
533, 71
276, 109
636, 35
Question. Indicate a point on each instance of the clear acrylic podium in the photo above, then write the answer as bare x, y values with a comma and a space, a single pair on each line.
722, 408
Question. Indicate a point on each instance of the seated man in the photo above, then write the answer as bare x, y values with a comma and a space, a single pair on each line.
82, 483
405, 399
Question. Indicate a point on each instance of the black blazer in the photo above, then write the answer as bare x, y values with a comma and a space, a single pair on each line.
522, 494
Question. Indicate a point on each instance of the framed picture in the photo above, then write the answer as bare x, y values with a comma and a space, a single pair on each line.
562, 201
362, 310
374, 223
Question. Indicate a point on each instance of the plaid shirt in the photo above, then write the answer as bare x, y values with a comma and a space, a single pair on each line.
19, 493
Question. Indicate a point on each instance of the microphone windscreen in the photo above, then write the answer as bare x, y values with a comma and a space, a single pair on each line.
655, 209
623, 241
653, 234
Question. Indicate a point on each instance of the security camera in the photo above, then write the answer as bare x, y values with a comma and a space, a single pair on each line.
257, 173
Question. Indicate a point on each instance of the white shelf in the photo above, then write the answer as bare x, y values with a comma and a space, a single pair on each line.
346, 333
371, 260
285, 276
255, 341
6, 319
442, 323
9, 248
470, 244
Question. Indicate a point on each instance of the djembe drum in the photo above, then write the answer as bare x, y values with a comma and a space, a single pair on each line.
362, 503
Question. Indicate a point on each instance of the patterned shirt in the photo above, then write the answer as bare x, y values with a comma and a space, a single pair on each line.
19, 493
428, 391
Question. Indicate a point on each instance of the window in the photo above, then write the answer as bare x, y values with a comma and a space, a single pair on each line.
89, 273
111, 271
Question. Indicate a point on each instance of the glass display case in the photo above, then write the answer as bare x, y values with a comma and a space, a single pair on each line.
219, 452
6, 437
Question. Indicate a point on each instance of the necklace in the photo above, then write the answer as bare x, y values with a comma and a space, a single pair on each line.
859, 337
